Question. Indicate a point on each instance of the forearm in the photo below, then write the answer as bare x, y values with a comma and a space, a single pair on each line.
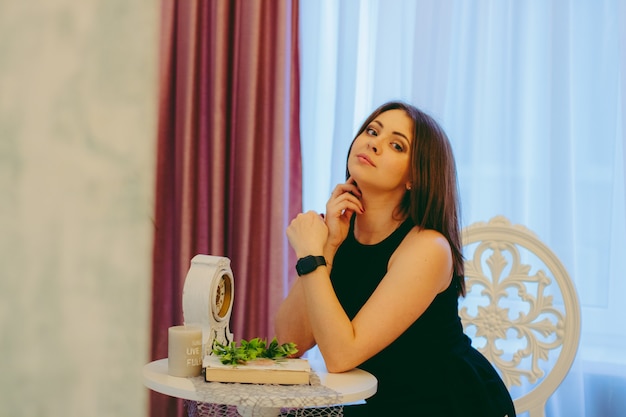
292, 323
330, 325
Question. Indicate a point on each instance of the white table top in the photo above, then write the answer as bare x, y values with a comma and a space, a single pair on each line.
351, 386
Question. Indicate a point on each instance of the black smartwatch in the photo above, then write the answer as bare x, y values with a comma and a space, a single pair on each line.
309, 264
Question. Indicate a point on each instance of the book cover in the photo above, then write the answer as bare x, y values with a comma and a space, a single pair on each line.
258, 371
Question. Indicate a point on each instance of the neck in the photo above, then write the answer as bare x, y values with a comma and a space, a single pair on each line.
380, 219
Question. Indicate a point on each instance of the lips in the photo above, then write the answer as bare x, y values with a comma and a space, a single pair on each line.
364, 158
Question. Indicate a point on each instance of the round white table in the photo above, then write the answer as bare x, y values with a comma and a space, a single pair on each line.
348, 387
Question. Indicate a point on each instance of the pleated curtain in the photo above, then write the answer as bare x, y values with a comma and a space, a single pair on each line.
228, 160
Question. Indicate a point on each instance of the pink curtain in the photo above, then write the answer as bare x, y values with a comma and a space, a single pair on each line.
228, 158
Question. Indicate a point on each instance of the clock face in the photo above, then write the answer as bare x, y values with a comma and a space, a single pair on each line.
223, 297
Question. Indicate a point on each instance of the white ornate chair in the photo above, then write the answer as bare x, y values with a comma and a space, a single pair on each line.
521, 310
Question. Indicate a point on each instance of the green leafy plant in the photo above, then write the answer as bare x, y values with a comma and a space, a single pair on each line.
234, 354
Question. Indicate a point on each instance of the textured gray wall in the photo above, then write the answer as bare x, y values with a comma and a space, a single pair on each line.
78, 88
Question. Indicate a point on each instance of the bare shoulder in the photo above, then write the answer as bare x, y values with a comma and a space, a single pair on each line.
427, 251
427, 240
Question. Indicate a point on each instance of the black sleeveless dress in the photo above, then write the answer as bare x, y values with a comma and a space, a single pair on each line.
431, 369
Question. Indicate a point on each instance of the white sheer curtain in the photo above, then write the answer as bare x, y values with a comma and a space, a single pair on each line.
531, 94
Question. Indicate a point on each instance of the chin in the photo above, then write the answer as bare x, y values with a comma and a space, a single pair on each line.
356, 170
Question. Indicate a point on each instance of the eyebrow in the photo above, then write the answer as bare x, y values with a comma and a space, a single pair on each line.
402, 135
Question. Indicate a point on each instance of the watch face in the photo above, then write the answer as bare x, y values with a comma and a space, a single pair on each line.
309, 264
223, 297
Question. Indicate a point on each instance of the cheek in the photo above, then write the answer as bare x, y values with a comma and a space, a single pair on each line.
402, 169
353, 148
358, 142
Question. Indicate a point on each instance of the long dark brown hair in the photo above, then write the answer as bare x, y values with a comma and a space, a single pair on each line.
433, 200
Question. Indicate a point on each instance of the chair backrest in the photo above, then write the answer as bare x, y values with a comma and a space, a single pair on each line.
521, 310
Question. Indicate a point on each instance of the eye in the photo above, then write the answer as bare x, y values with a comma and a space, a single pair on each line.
371, 131
397, 146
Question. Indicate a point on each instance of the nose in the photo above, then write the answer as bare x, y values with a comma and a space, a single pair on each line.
374, 144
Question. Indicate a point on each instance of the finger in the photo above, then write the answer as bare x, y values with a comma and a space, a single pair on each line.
312, 216
336, 212
344, 188
345, 204
348, 197
352, 181
347, 213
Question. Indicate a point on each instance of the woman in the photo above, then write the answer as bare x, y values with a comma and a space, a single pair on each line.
386, 298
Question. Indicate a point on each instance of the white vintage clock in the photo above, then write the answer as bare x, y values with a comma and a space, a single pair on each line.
208, 296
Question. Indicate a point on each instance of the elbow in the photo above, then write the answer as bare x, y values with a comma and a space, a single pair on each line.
286, 333
338, 368
334, 369
337, 365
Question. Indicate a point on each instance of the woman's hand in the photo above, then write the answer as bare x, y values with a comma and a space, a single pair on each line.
342, 204
307, 234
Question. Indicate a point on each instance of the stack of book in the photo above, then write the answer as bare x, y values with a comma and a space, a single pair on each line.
258, 371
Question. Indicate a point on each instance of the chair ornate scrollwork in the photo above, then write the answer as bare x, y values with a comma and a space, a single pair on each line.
521, 310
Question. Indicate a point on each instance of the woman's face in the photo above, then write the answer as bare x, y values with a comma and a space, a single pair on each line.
380, 155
